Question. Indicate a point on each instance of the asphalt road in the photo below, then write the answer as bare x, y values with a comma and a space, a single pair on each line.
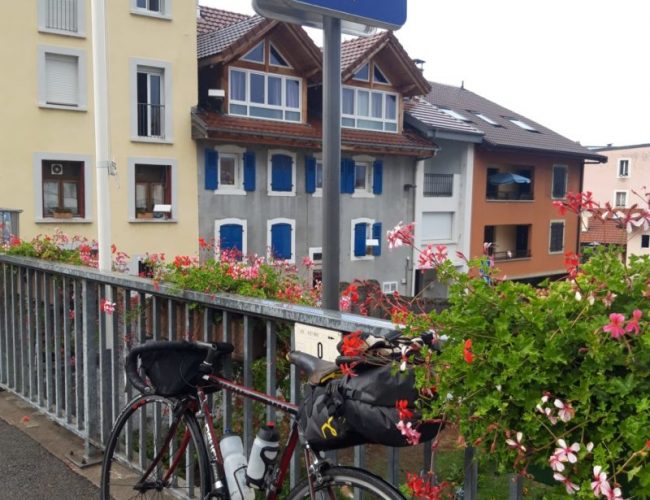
27, 470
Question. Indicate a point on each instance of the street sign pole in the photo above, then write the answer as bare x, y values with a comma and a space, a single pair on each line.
331, 161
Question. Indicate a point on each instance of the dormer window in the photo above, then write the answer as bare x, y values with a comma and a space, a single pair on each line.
379, 76
264, 95
369, 109
363, 73
276, 59
256, 54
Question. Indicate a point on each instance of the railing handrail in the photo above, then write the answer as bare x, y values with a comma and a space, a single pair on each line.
265, 308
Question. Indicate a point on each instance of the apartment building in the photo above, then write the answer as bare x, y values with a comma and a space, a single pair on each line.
48, 163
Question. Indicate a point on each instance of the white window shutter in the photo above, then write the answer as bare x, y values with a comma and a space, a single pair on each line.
62, 79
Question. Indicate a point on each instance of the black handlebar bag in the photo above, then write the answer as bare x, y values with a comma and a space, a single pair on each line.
361, 409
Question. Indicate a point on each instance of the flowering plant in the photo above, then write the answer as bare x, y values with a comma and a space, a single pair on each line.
551, 378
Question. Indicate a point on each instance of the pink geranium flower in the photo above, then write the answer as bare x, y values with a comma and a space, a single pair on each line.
515, 444
633, 324
556, 461
569, 452
571, 488
107, 306
412, 436
600, 485
565, 410
400, 235
615, 325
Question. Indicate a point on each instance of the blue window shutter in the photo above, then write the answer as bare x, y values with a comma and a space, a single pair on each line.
281, 241
231, 237
211, 173
377, 176
360, 239
376, 235
310, 174
281, 170
249, 171
347, 175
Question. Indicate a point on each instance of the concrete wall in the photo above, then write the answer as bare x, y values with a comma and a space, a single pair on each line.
395, 204
28, 130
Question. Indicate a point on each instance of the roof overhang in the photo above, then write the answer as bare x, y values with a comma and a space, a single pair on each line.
439, 133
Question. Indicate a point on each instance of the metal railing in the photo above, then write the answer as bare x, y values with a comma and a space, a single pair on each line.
62, 15
151, 120
438, 185
64, 355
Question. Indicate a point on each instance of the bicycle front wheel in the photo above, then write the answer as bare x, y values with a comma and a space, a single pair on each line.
347, 482
155, 451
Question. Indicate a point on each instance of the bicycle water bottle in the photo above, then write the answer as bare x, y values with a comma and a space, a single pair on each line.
234, 464
263, 455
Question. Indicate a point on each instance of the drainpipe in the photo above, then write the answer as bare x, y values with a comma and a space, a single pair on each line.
102, 142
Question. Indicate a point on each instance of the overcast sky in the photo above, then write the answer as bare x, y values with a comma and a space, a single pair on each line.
579, 67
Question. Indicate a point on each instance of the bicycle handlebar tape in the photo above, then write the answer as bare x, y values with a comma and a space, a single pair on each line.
131, 368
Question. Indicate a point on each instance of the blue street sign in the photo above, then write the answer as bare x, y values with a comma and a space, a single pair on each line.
387, 14
382, 13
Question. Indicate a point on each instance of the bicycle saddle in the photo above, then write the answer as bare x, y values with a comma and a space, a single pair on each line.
318, 370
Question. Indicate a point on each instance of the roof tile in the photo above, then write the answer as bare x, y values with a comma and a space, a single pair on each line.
212, 19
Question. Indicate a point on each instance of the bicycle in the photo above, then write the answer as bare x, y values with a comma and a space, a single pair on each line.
169, 428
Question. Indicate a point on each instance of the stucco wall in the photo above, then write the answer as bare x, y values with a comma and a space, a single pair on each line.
538, 212
257, 207
28, 129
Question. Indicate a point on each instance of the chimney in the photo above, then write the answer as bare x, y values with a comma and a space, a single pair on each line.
419, 63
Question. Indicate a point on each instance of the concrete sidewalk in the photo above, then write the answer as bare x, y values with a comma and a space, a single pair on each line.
35, 457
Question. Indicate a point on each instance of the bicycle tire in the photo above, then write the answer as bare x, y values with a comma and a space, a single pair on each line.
347, 482
130, 452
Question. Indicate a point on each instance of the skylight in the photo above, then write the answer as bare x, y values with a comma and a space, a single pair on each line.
487, 119
455, 114
523, 125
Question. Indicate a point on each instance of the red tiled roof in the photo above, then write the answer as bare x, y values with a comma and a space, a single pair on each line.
211, 125
353, 51
213, 19
431, 116
605, 232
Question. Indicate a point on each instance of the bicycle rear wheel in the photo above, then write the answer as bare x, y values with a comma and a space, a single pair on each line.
144, 455
347, 482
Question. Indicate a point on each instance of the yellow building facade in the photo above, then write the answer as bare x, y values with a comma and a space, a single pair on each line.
47, 166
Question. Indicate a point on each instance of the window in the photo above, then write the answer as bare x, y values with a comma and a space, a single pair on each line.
363, 73
63, 187
281, 173
368, 109
314, 174
154, 8
378, 76
437, 226
256, 54
556, 239
560, 174
389, 287
366, 239
276, 58
151, 99
510, 241
361, 176
645, 241
522, 124
62, 82
281, 238
63, 17
623, 167
263, 95
230, 234
439, 185
487, 119
510, 183
152, 189
229, 170
620, 199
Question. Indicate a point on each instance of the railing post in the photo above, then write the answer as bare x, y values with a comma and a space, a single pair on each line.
4, 324
248, 382
470, 486
90, 354
271, 366
516, 487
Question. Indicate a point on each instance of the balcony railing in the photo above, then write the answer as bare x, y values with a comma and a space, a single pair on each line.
438, 185
62, 15
151, 120
512, 254
61, 354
